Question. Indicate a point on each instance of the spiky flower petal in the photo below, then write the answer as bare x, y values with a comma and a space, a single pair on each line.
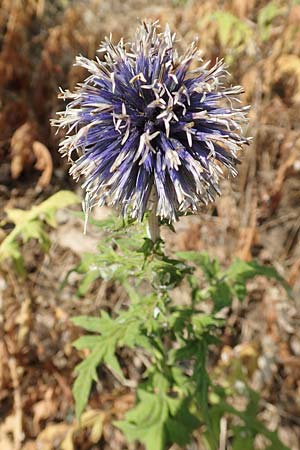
144, 121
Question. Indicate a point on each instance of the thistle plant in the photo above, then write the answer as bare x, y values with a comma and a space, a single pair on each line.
146, 123
151, 132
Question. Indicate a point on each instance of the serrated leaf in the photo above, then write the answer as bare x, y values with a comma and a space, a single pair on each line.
240, 271
242, 440
221, 295
251, 423
35, 230
87, 342
89, 323
17, 215
124, 330
111, 361
226, 22
240, 290
59, 200
181, 422
210, 267
158, 419
266, 16
10, 249
146, 422
232, 31
29, 224
87, 281
170, 272
86, 374
203, 322
186, 352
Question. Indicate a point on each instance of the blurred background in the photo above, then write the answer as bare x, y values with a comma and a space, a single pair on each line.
258, 215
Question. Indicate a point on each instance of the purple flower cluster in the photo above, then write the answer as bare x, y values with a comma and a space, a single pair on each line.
145, 123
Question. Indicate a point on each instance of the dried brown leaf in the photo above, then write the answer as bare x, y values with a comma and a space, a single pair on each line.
52, 436
92, 420
24, 320
21, 148
294, 275
43, 163
287, 65
44, 409
242, 8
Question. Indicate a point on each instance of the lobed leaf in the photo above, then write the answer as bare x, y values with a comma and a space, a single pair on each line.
158, 419
30, 224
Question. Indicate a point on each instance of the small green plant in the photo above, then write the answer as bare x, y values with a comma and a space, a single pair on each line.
31, 225
233, 33
151, 132
175, 394
238, 35
266, 17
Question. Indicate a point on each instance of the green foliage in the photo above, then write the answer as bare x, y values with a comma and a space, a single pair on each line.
234, 34
157, 420
31, 225
124, 253
239, 35
147, 421
176, 394
223, 285
265, 19
249, 426
125, 330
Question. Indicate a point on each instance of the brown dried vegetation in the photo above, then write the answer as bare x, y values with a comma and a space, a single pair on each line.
258, 215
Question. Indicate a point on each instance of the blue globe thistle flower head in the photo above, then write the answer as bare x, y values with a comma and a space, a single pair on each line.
145, 124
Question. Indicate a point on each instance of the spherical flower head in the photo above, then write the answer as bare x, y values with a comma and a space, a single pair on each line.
144, 124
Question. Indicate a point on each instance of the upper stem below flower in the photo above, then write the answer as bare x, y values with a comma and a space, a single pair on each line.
153, 219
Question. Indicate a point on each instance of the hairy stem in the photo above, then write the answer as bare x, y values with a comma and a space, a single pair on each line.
153, 220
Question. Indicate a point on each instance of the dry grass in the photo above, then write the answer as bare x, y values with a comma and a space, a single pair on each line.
258, 215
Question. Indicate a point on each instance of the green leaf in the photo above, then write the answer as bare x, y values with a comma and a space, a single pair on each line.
221, 295
203, 381
181, 422
226, 22
210, 267
88, 342
249, 417
17, 215
240, 290
156, 380
113, 333
169, 273
246, 270
87, 373
30, 224
146, 422
266, 16
158, 419
252, 408
243, 439
117, 259
202, 323
240, 271
233, 33
61, 199
89, 323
